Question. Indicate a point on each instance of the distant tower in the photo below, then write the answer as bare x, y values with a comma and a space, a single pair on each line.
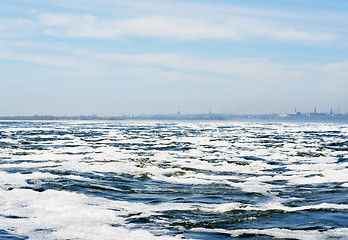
338, 109
315, 109
295, 110
331, 112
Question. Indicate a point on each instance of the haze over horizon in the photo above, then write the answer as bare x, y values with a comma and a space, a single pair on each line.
116, 57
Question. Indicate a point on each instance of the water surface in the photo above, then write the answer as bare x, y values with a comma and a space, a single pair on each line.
178, 180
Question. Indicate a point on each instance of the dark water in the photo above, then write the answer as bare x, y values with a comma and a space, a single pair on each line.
179, 180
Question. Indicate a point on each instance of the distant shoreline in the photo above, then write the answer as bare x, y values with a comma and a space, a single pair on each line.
209, 116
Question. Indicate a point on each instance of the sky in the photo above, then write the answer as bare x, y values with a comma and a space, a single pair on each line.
114, 57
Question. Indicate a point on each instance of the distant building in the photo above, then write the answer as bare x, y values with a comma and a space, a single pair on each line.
316, 114
283, 115
294, 114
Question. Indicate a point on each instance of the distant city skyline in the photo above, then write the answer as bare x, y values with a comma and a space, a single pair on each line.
179, 115
117, 57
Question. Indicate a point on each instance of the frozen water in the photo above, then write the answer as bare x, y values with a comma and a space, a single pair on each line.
173, 180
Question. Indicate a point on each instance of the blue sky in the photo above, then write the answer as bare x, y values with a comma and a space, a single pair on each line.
112, 57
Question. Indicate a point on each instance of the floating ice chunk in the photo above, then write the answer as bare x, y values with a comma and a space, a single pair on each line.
65, 215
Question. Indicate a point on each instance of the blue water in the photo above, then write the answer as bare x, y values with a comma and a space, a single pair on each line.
175, 180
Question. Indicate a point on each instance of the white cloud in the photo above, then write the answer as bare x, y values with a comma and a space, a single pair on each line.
22, 44
297, 35
16, 27
338, 68
235, 28
254, 70
164, 68
337, 76
169, 66
41, 59
177, 28
63, 25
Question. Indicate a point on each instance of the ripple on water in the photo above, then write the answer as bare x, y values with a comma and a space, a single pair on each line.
157, 180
